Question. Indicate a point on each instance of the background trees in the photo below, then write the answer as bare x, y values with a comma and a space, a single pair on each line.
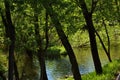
36, 27
91, 30
64, 40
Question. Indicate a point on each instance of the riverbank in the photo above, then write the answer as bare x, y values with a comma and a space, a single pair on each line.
110, 72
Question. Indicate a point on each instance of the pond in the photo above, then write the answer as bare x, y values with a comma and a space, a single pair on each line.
59, 68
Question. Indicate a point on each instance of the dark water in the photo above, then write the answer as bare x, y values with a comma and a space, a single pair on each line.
59, 68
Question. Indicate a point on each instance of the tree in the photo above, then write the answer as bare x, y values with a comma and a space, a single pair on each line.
104, 14
106, 51
91, 30
10, 32
40, 51
63, 38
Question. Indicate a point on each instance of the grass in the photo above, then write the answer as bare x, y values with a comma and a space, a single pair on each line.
110, 72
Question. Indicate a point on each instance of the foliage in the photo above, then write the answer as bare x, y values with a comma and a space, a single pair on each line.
79, 39
3, 62
73, 24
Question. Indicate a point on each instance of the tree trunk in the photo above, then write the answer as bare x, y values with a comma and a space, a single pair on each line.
11, 49
11, 35
46, 31
43, 75
91, 30
40, 51
94, 50
108, 40
16, 70
64, 40
107, 52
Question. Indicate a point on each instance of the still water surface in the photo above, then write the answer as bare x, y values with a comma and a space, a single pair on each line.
58, 68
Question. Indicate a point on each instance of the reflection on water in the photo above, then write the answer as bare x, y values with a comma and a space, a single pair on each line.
61, 67
84, 59
58, 68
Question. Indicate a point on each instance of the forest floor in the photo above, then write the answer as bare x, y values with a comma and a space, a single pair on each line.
110, 72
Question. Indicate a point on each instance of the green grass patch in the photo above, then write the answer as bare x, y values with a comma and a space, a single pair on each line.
110, 72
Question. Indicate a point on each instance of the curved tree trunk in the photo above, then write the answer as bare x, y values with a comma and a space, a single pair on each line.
91, 30
107, 52
108, 40
64, 40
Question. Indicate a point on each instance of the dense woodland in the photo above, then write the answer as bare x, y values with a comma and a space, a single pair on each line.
31, 29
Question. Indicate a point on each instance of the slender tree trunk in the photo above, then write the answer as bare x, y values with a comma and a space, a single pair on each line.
16, 70
11, 62
108, 39
6, 28
106, 51
43, 75
94, 49
46, 31
11, 46
11, 33
91, 30
64, 40
40, 51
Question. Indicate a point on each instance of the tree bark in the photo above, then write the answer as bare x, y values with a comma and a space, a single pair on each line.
46, 31
93, 45
16, 70
11, 35
106, 51
41, 58
40, 51
108, 40
91, 30
64, 40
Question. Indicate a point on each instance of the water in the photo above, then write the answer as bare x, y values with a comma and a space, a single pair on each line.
59, 68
